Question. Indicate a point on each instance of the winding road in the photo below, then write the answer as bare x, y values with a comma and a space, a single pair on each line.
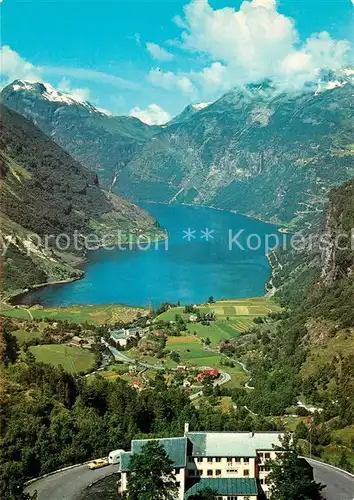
68, 484
340, 486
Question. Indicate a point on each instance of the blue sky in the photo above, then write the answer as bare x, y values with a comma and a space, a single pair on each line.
152, 58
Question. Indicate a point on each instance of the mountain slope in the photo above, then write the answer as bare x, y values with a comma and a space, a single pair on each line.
100, 142
308, 352
283, 151
44, 193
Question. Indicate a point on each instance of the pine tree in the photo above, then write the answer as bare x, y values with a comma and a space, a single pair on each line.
151, 475
291, 478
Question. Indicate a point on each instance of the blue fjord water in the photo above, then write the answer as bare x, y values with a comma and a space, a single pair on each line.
189, 270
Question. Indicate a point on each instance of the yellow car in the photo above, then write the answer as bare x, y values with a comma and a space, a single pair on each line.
98, 463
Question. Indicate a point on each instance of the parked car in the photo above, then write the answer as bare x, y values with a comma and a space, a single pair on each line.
98, 463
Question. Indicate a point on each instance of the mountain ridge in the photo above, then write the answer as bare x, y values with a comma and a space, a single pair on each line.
46, 195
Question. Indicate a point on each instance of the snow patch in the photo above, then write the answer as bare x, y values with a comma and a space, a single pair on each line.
201, 105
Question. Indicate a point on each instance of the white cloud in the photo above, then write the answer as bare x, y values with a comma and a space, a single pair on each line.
79, 94
248, 45
90, 74
171, 81
159, 53
152, 115
14, 67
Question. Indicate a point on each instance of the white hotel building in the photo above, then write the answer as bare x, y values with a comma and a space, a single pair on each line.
231, 463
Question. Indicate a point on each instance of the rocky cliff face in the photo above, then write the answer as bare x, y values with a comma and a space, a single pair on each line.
102, 143
254, 151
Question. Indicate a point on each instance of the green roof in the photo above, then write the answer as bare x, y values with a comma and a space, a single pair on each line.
224, 487
231, 444
176, 449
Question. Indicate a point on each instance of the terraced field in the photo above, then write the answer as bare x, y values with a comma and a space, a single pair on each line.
233, 317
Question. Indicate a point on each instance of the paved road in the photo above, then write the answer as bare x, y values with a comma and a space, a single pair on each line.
224, 377
340, 486
67, 485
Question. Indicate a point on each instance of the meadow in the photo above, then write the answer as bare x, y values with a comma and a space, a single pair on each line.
72, 359
96, 315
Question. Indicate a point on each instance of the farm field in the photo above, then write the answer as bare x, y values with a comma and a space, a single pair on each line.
72, 359
238, 379
78, 314
22, 335
258, 306
192, 352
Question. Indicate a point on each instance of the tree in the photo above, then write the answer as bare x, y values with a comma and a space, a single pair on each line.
291, 477
301, 431
151, 476
211, 300
11, 348
205, 494
175, 356
344, 461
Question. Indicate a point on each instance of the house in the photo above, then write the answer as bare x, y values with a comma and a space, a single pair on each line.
213, 372
231, 463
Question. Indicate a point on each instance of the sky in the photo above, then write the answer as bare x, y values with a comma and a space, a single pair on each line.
150, 59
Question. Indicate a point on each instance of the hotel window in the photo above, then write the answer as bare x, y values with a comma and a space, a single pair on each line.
260, 455
177, 471
246, 472
246, 460
218, 459
191, 472
232, 471
210, 472
210, 460
262, 481
218, 472
232, 498
237, 459
190, 460
229, 459
199, 459
267, 455
200, 472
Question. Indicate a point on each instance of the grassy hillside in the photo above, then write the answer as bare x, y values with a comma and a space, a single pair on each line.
307, 352
45, 194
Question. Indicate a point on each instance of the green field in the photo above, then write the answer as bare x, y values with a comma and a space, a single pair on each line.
238, 379
22, 335
228, 308
97, 315
233, 317
192, 352
72, 359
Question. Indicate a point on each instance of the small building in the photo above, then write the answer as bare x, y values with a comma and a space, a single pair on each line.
122, 336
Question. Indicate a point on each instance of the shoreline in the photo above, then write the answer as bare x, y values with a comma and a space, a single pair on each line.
9, 300
281, 225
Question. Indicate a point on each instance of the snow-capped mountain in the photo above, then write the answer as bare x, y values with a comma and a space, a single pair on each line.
101, 142
189, 111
